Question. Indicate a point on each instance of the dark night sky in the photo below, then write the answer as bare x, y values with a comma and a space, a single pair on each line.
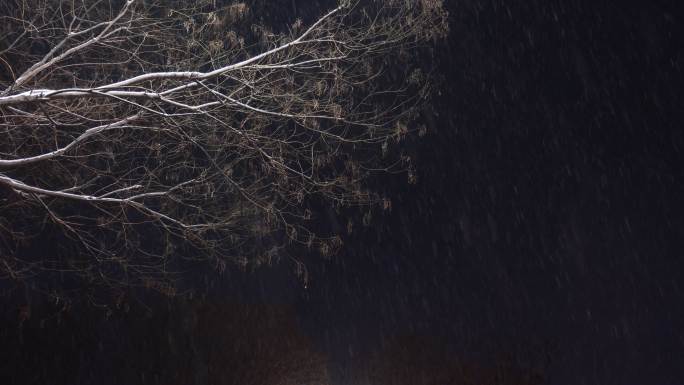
548, 210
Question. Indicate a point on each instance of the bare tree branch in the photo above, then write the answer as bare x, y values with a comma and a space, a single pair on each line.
141, 127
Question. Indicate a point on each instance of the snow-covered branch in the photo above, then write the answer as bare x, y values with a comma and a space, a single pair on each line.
184, 123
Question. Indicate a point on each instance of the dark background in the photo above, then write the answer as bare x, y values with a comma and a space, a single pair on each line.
546, 225
548, 212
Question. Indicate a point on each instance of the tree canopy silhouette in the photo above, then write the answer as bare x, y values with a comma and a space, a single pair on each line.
148, 132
